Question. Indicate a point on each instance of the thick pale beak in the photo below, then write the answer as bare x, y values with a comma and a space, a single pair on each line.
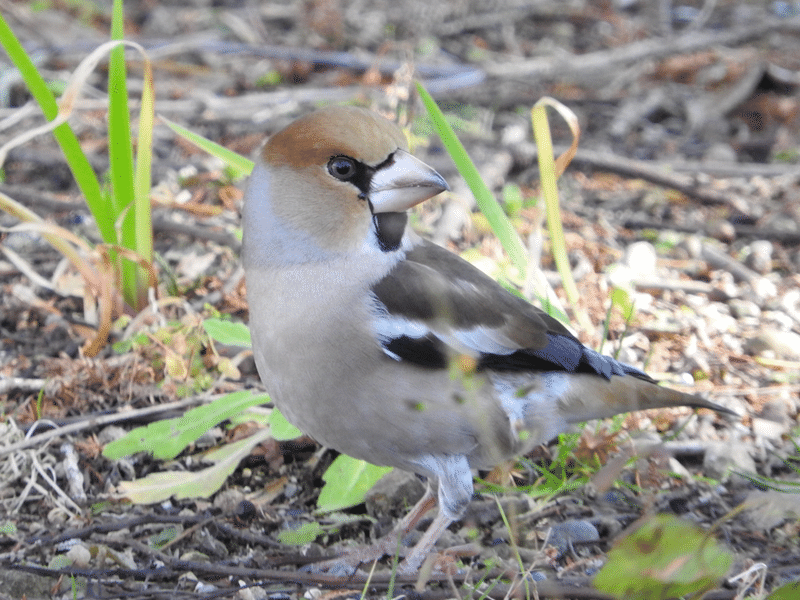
406, 181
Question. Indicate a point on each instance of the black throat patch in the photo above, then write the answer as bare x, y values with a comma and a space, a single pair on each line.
390, 227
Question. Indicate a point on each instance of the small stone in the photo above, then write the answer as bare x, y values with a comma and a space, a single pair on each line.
641, 257
563, 535
775, 410
620, 276
79, 555
760, 257
692, 245
228, 500
783, 344
676, 467
764, 288
723, 457
394, 493
790, 301
720, 152
109, 434
744, 308
721, 230
768, 429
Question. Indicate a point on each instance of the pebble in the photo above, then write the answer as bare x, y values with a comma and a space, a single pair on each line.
641, 257
782, 344
768, 429
563, 535
723, 457
744, 308
228, 500
760, 257
393, 493
79, 555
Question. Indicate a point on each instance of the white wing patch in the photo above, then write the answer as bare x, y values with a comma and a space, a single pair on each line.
481, 340
473, 342
386, 327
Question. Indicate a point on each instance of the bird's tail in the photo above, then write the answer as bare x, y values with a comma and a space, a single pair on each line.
591, 397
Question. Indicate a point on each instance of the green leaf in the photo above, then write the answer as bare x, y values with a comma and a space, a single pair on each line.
305, 534
166, 439
347, 480
665, 558
789, 591
228, 332
161, 485
59, 561
281, 428
8, 528
622, 299
166, 535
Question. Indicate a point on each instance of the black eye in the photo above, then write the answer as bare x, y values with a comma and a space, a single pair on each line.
342, 168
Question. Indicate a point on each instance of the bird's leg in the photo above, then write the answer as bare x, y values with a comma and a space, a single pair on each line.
414, 559
387, 545
409, 522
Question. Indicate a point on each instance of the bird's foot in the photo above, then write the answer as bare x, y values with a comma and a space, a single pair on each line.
436, 562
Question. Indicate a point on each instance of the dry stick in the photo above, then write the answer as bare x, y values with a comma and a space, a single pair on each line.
438, 78
98, 422
19, 383
544, 589
491, 19
735, 170
659, 175
593, 62
762, 233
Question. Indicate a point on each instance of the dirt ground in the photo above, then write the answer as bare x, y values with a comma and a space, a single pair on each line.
686, 187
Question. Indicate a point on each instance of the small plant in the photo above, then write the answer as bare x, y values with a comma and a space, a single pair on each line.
183, 354
665, 558
119, 270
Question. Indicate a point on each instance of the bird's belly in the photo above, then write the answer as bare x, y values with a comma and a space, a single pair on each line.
332, 380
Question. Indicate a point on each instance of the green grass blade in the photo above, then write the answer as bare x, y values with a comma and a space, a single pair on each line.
76, 159
143, 225
548, 176
238, 164
489, 206
120, 153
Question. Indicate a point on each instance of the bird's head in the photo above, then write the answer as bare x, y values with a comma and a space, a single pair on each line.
334, 180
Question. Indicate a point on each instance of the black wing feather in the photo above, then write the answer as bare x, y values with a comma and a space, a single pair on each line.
438, 288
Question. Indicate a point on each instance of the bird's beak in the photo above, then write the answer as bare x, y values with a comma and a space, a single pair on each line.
403, 183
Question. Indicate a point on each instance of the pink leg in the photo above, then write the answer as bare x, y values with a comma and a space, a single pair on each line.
409, 522
415, 558
388, 545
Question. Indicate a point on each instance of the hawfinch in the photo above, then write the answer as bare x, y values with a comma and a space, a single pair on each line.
361, 329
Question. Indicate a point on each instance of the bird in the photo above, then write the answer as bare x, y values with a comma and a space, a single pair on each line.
389, 348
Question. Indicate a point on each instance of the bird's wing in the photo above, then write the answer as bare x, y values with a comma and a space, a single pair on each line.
434, 304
